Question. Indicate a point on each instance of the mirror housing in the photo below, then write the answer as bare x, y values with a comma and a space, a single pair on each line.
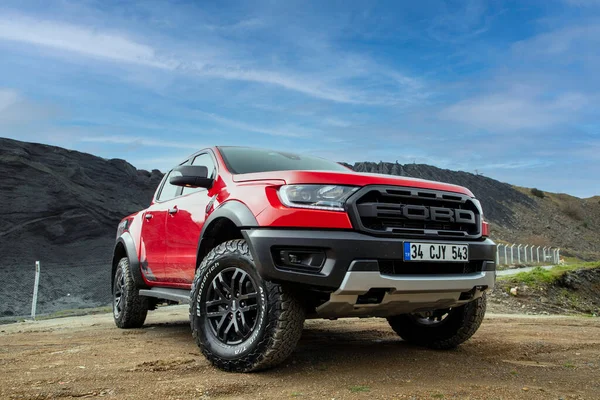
194, 176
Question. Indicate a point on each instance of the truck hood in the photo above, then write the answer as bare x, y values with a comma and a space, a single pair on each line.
349, 178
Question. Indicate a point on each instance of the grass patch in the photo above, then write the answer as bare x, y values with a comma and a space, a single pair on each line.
297, 394
569, 364
571, 298
359, 389
437, 396
540, 276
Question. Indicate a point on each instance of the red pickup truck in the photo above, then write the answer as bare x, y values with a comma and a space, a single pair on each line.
256, 241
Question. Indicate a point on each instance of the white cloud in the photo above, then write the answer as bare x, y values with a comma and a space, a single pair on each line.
547, 81
455, 26
8, 97
163, 164
561, 41
281, 131
290, 81
242, 26
515, 110
136, 141
220, 63
82, 40
337, 122
16, 110
517, 164
285, 131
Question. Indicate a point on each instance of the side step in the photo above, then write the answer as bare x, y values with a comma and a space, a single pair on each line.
167, 293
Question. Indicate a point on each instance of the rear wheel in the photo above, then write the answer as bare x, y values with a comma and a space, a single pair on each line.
441, 329
240, 322
129, 308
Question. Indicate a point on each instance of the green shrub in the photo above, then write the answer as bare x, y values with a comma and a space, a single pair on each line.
538, 193
572, 210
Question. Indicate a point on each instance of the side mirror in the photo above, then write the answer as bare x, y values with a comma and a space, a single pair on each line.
193, 176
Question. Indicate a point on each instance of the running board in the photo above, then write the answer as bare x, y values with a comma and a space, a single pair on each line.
167, 293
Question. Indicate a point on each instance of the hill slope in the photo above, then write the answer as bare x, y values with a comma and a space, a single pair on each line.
52, 197
62, 207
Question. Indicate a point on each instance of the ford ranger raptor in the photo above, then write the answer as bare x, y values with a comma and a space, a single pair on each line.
257, 241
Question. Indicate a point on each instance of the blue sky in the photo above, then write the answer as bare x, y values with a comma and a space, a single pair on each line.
509, 89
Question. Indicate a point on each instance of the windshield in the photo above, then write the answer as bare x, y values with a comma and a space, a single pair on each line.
245, 160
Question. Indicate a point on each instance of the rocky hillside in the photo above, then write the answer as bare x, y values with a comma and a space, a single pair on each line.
62, 207
52, 197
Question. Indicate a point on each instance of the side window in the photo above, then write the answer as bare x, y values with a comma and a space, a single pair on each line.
206, 160
169, 191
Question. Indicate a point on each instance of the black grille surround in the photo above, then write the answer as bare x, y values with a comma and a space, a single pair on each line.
407, 212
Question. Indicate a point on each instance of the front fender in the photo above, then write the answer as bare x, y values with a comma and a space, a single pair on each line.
125, 247
232, 210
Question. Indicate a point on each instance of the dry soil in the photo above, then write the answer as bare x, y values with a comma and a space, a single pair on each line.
511, 356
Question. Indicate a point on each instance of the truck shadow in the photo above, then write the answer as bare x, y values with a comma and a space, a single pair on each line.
341, 345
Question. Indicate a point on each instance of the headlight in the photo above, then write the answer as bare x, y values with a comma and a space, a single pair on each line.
320, 197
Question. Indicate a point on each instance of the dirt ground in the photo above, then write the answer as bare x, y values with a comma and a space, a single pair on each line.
510, 357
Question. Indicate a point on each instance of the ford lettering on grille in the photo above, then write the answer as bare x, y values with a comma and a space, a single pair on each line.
440, 214
414, 212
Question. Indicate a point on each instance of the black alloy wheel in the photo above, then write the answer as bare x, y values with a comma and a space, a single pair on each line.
240, 321
118, 293
231, 306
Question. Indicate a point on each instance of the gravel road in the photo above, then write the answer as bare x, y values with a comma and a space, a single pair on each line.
511, 356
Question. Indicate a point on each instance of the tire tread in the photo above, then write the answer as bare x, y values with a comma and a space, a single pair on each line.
282, 332
135, 307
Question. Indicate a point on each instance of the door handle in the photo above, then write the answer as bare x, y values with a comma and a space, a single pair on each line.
173, 210
148, 216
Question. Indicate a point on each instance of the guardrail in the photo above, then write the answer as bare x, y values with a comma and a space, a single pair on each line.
526, 254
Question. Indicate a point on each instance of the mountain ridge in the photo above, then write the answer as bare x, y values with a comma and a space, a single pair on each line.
62, 207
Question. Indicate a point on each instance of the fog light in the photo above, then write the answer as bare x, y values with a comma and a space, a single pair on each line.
303, 259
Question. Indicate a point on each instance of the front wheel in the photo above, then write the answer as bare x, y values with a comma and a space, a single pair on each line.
441, 329
241, 322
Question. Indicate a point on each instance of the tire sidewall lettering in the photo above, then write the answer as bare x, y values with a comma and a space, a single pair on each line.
200, 289
212, 343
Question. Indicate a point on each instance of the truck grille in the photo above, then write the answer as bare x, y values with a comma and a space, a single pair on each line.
411, 212
399, 267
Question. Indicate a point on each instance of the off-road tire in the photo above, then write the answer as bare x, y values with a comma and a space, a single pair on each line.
460, 324
278, 321
132, 311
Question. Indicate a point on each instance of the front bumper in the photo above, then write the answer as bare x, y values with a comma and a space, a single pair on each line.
357, 284
346, 251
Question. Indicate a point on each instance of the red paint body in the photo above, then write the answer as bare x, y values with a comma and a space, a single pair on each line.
167, 243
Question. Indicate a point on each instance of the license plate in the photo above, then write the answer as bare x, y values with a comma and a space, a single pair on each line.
436, 252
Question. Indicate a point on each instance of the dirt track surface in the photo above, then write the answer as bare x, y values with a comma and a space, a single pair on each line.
510, 356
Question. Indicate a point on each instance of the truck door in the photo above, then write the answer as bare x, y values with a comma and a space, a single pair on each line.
184, 222
153, 246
